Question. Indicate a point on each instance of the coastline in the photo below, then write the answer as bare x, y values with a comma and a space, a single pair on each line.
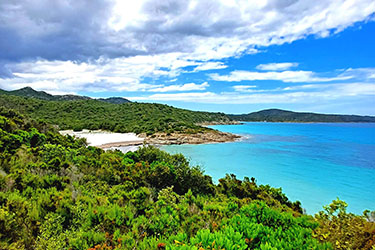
302, 122
106, 140
120, 144
183, 138
220, 123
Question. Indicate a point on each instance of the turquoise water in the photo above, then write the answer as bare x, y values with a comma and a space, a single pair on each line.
312, 162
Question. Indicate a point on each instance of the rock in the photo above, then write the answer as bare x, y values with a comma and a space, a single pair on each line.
184, 138
220, 123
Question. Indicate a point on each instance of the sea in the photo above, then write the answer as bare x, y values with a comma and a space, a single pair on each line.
314, 163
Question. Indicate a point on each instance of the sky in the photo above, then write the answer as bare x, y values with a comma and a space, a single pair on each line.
213, 55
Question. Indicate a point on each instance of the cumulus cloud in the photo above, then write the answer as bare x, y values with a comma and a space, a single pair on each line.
121, 74
118, 74
285, 76
276, 66
210, 66
326, 92
113, 45
204, 30
181, 87
244, 88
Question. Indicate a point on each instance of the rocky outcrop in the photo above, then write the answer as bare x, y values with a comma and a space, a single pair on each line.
184, 138
220, 123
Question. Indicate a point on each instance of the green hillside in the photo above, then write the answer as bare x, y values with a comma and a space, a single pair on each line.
56, 193
114, 100
278, 115
29, 92
127, 117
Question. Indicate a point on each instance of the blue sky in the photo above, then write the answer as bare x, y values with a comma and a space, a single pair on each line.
225, 56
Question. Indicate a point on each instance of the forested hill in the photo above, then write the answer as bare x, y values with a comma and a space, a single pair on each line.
127, 117
278, 115
56, 193
30, 92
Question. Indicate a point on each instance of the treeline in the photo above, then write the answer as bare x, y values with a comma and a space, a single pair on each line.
278, 115
30, 92
127, 117
57, 193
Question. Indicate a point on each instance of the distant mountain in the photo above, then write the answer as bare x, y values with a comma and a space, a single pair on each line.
30, 92
114, 100
279, 115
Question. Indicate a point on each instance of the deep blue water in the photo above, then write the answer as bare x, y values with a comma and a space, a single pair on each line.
312, 162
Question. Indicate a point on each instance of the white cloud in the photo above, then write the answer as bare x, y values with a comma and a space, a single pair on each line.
285, 76
326, 92
276, 66
182, 87
202, 30
210, 66
118, 74
244, 88
360, 73
114, 45
213, 29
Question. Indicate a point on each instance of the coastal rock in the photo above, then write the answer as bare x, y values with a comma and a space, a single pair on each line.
184, 138
220, 123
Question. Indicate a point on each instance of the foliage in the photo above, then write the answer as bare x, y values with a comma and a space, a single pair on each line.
278, 115
345, 230
57, 193
126, 117
29, 92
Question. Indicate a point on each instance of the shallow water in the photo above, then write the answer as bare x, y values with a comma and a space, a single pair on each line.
312, 162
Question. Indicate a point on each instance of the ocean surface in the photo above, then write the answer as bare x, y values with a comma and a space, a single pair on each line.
312, 162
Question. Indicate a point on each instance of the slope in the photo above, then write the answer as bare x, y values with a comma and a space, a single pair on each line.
127, 117
278, 115
30, 92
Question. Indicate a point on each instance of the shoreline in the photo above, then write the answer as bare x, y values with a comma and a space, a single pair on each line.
106, 140
120, 144
199, 138
220, 123
302, 122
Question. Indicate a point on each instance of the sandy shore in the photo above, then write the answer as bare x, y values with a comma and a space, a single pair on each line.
108, 140
104, 139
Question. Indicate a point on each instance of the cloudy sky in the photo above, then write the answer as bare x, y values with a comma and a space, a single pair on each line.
216, 55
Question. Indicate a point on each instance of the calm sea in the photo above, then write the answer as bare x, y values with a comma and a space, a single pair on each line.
312, 162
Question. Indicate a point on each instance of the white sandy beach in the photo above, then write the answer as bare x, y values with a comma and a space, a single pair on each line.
105, 139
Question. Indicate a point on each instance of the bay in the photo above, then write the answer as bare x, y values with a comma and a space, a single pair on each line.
312, 162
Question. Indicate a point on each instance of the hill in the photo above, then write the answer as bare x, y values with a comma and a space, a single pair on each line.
30, 92
95, 114
114, 100
278, 115
57, 193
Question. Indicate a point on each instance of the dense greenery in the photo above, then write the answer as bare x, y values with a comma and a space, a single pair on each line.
278, 115
127, 117
29, 92
57, 193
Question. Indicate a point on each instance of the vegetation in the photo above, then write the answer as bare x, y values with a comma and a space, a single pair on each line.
346, 230
57, 193
120, 115
278, 115
29, 92
127, 117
